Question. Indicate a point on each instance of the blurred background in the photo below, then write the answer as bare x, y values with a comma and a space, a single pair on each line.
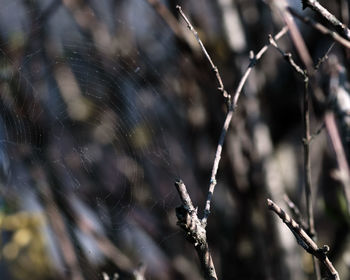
104, 103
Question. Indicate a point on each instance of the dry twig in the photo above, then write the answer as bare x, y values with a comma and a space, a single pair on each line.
189, 221
321, 28
304, 240
213, 67
323, 12
187, 215
253, 60
306, 144
296, 212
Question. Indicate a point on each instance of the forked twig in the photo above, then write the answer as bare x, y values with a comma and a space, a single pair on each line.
306, 145
187, 215
304, 240
253, 60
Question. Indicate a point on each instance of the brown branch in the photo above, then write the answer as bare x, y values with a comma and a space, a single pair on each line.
167, 16
340, 154
186, 214
304, 239
307, 171
324, 13
306, 145
296, 212
324, 57
189, 221
321, 28
253, 61
213, 67
288, 57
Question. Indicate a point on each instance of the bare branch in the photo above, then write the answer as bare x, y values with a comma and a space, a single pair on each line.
216, 164
213, 67
253, 61
195, 231
304, 240
323, 12
288, 58
321, 28
340, 154
324, 57
307, 171
296, 212
306, 145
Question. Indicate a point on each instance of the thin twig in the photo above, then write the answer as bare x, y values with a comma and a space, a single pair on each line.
189, 221
213, 67
324, 57
288, 57
253, 61
306, 145
186, 214
324, 13
321, 28
307, 171
304, 239
317, 132
296, 212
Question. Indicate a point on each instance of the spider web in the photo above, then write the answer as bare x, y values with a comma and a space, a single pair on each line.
88, 134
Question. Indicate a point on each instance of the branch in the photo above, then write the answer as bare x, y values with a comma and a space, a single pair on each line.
288, 57
296, 212
213, 67
324, 13
186, 214
189, 221
307, 171
306, 145
324, 57
253, 60
304, 240
321, 28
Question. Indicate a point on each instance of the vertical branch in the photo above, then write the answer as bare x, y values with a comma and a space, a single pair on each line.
306, 144
307, 172
187, 215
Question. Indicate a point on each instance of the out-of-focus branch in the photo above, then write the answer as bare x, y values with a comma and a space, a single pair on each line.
324, 13
321, 28
344, 174
167, 16
304, 240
